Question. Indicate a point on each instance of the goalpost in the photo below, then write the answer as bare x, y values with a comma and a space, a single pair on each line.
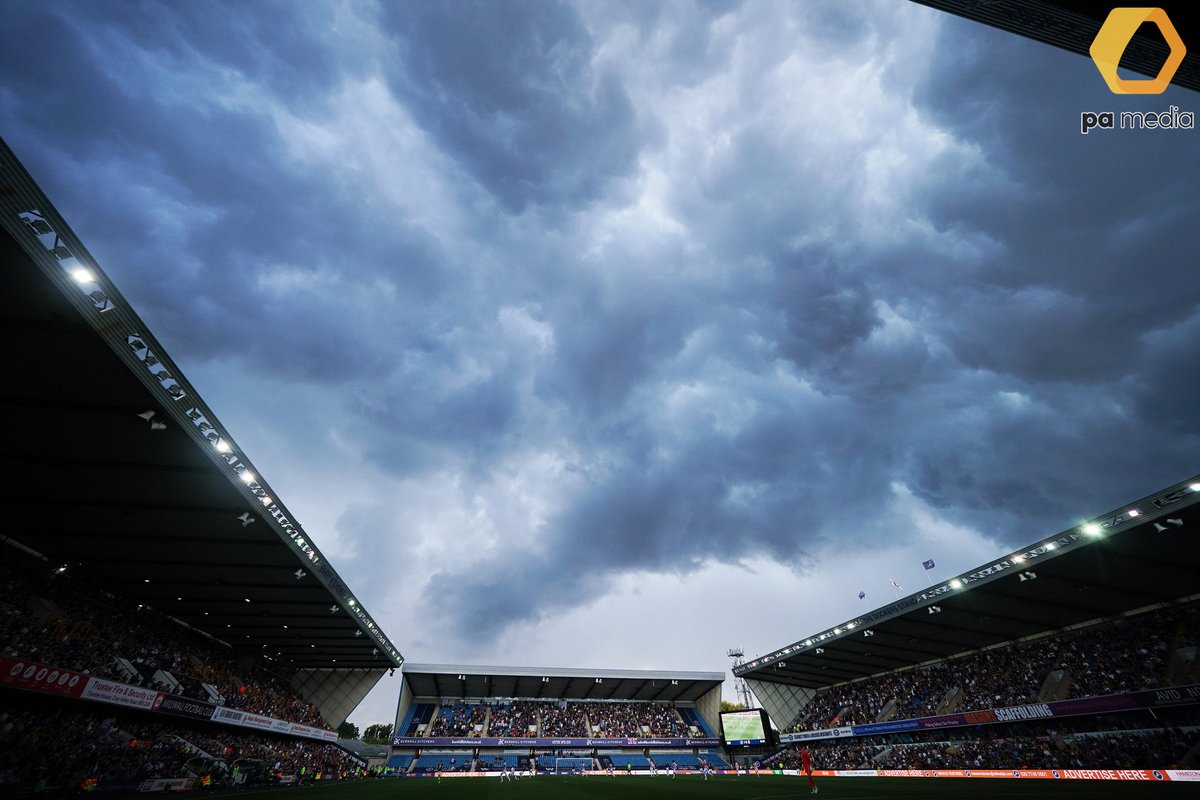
570, 765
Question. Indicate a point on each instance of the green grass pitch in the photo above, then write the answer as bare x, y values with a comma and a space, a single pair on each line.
722, 787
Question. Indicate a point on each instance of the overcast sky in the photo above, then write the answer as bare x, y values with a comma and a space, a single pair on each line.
616, 334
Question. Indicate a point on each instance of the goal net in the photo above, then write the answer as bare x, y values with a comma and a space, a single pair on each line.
570, 766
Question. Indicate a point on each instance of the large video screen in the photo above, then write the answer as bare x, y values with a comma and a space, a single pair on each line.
745, 728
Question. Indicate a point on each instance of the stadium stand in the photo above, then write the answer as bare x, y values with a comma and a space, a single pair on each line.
58, 620
516, 718
1125, 655
633, 719
66, 745
1076, 745
459, 719
694, 720
563, 719
182, 569
418, 716
451, 761
521, 718
560, 716
1075, 652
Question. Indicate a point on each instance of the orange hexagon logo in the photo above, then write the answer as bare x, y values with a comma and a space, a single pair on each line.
1114, 36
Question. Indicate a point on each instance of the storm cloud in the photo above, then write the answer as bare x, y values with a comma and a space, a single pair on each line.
573, 297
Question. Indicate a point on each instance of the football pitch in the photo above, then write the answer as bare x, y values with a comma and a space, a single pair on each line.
724, 787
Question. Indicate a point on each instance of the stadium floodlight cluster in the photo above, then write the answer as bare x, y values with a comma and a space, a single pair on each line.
1081, 535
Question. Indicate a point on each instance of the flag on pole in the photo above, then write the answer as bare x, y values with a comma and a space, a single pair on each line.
928, 565
861, 595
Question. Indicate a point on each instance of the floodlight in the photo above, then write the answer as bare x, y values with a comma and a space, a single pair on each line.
956, 584
1195, 487
222, 446
82, 275
1133, 512
1091, 529
1051, 546
247, 476
1018, 559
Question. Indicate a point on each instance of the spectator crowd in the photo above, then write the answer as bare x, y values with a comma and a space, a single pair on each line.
558, 718
1122, 656
57, 620
1156, 749
62, 749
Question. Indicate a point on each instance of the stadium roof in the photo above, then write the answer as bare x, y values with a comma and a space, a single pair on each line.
117, 468
448, 680
1073, 24
1143, 554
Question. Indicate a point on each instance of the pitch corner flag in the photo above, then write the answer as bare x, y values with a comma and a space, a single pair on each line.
928, 565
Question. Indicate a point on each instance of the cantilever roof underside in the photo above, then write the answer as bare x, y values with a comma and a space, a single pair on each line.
142, 507
548, 683
1153, 559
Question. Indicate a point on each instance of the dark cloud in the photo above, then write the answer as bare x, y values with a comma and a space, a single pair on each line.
510, 90
613, 289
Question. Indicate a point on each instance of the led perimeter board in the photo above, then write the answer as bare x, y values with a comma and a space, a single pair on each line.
745, 728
